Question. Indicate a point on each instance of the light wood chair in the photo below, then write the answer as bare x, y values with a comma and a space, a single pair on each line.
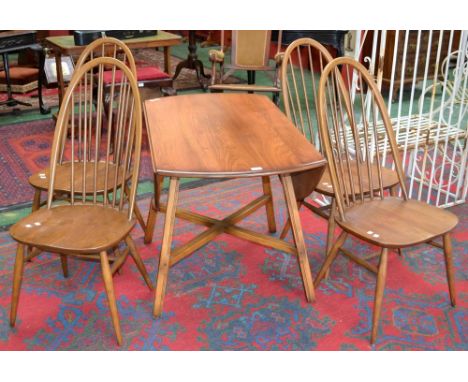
94, 221
250, 51
103, 47
303, 61
375, 217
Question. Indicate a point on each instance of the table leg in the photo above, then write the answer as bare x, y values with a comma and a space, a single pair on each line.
42, 107
60, 82
164, 259
154, 209
298, 237
270, 212
192, 62
167, 59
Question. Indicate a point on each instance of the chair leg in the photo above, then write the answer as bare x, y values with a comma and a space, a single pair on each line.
108, 284
394, 192
36, 204
330, 231
138, 261
449, 268
331, 256
136, 210
17, 279
269, 206
164, 258
154, 208
139, 216
379, 292
64, 262
331, 227
298, 236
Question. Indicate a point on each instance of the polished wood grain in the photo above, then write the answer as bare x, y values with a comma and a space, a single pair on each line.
298, 237
389, 179
17, 280
73, 229
235, 135
379, 292
397, 223
164, 258
154, 208
226, 135
270, 212
380, 217
109, 286
40, 180
449, 267
95, 219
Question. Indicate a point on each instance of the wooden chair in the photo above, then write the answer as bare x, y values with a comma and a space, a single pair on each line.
94, 221
374, 217
250, 51
103, 47
303, 61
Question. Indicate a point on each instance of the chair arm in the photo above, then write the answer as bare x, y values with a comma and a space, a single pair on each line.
279, 58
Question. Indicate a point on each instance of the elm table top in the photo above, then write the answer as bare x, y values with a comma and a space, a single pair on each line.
225, 135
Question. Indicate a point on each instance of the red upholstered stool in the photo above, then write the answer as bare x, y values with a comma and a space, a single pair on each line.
147, 76
23, 79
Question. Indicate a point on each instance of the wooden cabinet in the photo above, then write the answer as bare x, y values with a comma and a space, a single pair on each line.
409, 63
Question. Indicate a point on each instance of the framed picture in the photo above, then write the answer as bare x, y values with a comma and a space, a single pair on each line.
50, 69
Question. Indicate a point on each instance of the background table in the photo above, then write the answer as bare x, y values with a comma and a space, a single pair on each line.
226, 136
65, 45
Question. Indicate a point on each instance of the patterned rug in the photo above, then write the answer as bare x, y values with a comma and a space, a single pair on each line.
25, 149
50, 97
233, 295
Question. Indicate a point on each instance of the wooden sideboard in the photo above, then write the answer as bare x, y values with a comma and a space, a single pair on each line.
410, 66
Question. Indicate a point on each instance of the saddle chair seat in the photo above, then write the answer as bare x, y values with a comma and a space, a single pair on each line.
84, 228
396, 223
389, 179
40, 180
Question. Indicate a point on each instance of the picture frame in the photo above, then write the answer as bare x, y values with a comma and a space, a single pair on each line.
50, 69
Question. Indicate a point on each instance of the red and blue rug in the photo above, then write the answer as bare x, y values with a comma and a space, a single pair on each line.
24, 149
234, 295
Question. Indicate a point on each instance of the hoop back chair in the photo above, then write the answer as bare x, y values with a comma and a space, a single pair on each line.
299, 84
93, 222
250, 51
103, 47
377, 218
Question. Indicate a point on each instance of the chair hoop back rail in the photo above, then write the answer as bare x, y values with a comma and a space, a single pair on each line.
353, 158
84, 150
300, 89
102, 47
